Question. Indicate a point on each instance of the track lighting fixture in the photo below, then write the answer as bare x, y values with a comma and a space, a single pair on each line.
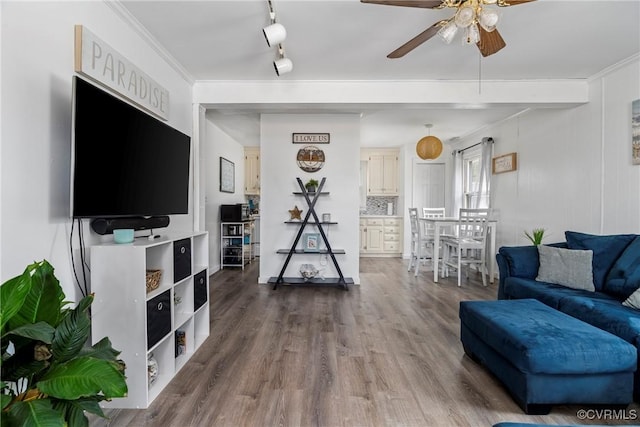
275, 34
282, 64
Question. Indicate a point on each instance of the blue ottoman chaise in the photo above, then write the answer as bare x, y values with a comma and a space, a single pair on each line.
545, 357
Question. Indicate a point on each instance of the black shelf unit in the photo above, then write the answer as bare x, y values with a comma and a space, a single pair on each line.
311, 199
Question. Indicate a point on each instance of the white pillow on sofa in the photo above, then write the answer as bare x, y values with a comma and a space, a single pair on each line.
633, 301
567, 267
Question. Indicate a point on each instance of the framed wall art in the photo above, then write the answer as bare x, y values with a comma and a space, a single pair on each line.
227, 176
310, 138
311, 242
504, 163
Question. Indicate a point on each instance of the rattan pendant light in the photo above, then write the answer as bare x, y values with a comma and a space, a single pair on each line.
429, 147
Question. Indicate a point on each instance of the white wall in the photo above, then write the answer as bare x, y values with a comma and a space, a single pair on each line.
37, 69
574, 165
215, 145
621, 179
278, 182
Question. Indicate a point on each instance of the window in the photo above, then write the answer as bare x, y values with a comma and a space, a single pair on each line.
473, 195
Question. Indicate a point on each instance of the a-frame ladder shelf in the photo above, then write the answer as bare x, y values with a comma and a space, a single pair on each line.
311, 199
301, 251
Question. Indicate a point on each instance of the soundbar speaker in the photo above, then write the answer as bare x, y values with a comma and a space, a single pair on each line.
107, 225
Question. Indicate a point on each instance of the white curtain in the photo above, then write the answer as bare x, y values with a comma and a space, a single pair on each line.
457, 183
484, 200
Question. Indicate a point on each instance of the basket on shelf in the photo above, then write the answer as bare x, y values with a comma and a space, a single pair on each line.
153, 279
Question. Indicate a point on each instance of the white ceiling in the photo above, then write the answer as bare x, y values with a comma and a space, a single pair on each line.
349, 40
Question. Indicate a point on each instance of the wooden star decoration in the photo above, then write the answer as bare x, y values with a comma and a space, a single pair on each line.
295, 213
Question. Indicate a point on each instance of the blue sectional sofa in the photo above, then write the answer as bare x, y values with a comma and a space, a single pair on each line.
557, 280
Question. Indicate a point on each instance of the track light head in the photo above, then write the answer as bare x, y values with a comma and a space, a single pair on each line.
283, 65
274, 34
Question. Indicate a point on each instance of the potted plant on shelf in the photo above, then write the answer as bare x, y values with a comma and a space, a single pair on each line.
535, 236
311, 185
50, 375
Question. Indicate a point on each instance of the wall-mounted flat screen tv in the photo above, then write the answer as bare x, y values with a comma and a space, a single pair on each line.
125, 162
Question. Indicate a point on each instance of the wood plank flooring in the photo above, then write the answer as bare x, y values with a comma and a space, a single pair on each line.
385, 353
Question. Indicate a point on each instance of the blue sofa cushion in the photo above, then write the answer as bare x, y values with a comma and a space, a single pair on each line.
607, 314
548, 293
606, 249
523, 261
624, 277
538, 339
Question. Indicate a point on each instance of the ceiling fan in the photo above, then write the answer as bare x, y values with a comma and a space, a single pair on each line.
476, 17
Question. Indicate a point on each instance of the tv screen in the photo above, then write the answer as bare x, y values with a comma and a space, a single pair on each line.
125, 162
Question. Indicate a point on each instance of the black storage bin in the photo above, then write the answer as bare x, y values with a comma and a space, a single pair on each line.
199, 289
158, 318
181, 259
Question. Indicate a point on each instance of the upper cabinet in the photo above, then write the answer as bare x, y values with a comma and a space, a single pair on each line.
382, 172
252, 170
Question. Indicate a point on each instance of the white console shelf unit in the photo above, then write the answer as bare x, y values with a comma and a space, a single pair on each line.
141, 323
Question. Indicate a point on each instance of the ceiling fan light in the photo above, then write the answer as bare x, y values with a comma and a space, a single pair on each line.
465, 16
473, 35
448, 32
488, 19
274, 34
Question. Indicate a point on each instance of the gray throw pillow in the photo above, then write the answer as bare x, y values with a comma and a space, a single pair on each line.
567, 267
633, 301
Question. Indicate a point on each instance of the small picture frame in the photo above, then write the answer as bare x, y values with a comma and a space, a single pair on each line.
505, 163
311, 242
227, 176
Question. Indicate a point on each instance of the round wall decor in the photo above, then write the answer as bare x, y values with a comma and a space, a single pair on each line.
310, 158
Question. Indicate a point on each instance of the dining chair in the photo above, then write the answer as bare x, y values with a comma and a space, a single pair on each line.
469, 246
421, 244
432, 212
435, 213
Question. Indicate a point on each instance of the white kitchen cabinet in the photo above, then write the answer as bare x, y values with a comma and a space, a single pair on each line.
382, 172
252, 170
168, 323
380, 236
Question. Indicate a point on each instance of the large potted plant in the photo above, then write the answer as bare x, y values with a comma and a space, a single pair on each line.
50, 375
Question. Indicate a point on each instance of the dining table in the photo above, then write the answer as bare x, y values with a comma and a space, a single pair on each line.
441, 224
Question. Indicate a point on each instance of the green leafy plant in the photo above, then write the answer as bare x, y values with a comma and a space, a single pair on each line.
50, 375
535, 236
311, 185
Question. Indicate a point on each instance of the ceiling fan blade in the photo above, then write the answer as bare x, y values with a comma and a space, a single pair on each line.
428, 4
490, 42
504, 3
415, 42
